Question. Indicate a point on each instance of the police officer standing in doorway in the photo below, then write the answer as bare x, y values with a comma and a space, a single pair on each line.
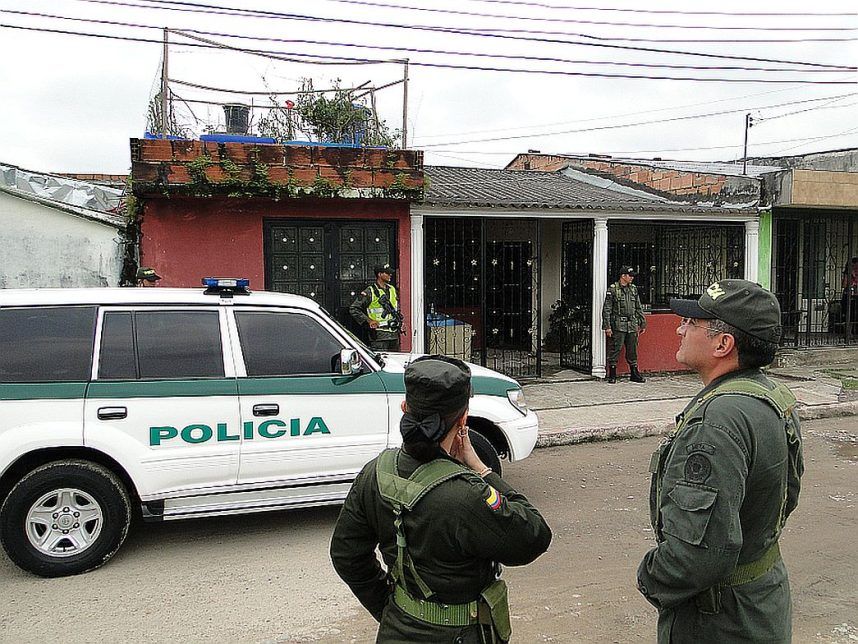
726, 479
623, 321
376, 308
442, 520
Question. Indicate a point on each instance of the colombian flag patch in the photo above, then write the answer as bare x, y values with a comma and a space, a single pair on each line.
494, 499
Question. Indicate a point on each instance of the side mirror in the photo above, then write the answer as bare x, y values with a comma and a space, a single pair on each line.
350, 364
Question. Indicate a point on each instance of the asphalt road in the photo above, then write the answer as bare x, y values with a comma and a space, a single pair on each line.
266, 578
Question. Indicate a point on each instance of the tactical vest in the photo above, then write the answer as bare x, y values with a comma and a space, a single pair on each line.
783, 401
375, 309
491, 609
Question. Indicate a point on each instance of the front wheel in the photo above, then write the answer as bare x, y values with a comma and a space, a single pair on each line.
486, 451
65, 518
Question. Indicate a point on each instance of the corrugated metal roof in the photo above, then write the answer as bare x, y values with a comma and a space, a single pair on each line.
97, 202
481, 187
733, 169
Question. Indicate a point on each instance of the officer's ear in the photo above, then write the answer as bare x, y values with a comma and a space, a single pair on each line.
404, 407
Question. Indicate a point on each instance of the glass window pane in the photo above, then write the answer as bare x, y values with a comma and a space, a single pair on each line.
179, 344
117, 348
280, 344
46, 344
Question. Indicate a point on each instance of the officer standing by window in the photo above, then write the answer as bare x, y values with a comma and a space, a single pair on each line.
623, 321
376, 309
442, 520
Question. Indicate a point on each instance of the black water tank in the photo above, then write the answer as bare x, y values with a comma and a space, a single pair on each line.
237, 116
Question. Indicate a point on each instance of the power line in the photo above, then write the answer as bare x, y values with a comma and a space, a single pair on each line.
663, 109
617, 154
543, 5
591, 129
421, 50
233, 11
578, 21
344, 60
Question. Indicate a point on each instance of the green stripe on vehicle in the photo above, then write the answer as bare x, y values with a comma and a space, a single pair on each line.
367, 383
162, 388
482, 385
42, 390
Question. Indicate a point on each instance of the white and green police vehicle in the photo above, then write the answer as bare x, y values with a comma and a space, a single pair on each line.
180, 403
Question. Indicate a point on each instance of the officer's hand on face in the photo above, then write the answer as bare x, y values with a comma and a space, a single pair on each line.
373, 324
463, 451
609, 332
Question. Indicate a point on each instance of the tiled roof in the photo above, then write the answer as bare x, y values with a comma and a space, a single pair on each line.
522, 189
101, 203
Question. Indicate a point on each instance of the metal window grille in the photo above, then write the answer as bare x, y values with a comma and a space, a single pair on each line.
813, 279
482, 293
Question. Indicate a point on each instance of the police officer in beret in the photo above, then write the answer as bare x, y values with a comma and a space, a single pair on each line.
442, 520
376, 308
623, 320
726, 479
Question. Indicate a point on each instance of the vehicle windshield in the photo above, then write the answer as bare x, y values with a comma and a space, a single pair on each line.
375, 354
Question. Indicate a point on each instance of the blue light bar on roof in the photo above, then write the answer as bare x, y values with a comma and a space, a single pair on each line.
226, 282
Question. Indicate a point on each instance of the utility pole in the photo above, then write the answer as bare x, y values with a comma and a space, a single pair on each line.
749, 123
405, 106
165, 88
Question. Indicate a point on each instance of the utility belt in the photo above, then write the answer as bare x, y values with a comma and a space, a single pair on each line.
709, 601
491, 610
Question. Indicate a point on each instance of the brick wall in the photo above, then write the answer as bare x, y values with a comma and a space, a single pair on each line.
663, 181
350, 172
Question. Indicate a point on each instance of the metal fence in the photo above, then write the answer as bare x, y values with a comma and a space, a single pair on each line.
482, 295
816, 279
570, 321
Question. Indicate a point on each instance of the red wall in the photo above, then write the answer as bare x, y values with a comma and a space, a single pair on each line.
185, 240
657, 347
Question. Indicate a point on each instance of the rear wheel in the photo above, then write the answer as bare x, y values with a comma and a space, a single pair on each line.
65, 518
486, 451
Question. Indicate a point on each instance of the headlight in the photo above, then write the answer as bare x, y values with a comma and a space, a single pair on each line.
516, 397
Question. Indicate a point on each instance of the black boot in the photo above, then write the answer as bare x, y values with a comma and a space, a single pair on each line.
612, 373
634, 374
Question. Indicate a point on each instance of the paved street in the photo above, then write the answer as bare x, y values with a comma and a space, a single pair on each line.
266, 578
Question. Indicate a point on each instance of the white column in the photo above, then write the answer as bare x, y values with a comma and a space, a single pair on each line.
418, 318
600, 287
752, 250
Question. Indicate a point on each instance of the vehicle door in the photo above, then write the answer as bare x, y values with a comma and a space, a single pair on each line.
302, 419
163, 400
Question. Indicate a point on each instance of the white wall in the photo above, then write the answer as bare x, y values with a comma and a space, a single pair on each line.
44, 247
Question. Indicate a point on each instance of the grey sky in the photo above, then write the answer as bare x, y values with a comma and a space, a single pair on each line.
69, 103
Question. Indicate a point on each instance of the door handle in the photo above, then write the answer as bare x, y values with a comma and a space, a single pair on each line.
266, 410
112, 413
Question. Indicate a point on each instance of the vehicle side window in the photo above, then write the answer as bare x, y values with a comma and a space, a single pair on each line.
46, 344
161, 344
283, 344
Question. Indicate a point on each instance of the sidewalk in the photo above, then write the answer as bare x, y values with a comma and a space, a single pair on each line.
574, 408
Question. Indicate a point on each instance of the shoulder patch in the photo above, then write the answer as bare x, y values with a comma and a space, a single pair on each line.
700, 447
364, 293
697, 468
494, 499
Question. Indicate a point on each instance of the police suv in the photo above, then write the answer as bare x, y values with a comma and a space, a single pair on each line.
183, 403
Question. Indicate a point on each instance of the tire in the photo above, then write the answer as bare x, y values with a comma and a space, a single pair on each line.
65, 518
486, 451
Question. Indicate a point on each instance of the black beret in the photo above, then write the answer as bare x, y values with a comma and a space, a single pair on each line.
437, 384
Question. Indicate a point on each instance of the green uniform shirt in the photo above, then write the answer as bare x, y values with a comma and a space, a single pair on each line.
719, 487
622, 310
455, 535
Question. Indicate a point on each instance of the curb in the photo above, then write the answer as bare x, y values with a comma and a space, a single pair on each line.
577, 435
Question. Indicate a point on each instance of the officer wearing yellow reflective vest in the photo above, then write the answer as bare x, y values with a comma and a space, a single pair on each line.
726, 479
377, 309
443, 521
